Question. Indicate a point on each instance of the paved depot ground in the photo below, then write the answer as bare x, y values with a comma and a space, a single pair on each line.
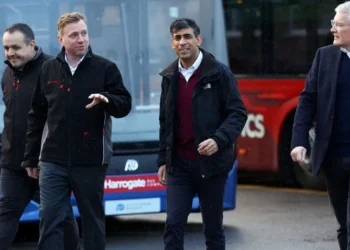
265, 218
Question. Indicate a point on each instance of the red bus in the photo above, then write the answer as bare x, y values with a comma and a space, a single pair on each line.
271, 46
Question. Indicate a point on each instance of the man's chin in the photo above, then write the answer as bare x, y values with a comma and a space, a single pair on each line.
185, 57
337, 43
17, 65
80, 53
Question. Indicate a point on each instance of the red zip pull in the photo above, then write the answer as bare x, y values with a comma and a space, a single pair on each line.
17, 87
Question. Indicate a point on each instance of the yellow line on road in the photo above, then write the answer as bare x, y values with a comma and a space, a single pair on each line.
290, 190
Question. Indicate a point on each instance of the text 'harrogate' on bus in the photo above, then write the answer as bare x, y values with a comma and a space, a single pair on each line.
135, 35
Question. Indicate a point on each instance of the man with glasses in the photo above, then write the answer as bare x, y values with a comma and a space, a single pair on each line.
325, 100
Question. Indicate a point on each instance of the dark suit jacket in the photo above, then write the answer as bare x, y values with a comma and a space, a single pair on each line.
316, 103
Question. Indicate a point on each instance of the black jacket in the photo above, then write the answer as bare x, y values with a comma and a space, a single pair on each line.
76, 135
317, 103
17, 87
218, 113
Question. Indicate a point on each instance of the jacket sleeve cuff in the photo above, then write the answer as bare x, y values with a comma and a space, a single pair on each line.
161, 161
218, 142
30, 164
300, 143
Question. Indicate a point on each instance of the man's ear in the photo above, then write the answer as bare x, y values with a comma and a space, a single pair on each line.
32, 44
172, 44
199, 40
60, 39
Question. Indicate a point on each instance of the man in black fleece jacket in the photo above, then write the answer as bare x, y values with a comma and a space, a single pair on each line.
78, 147
24, 60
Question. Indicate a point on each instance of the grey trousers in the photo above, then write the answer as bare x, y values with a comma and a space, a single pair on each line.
57, 182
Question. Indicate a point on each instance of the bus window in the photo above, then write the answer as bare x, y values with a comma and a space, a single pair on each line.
299, 30
276, 37
133, 34
243, 25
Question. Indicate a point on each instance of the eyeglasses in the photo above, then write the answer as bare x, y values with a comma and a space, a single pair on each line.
338, 25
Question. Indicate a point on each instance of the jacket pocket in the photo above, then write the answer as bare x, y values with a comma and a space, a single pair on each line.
221, 161
216, 101
54, 88
208, 100
90, 141
7, 93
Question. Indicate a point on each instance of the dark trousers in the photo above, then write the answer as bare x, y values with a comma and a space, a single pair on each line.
337, 174
182, 185
57, 183
17, 189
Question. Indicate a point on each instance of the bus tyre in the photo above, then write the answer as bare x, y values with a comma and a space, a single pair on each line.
303, 171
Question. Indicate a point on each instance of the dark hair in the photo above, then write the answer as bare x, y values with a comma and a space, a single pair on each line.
184, 23
24, 29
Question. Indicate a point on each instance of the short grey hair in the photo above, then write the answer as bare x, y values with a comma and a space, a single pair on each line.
343, 8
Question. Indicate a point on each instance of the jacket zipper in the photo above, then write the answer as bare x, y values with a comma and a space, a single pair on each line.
68, 109
196, 90
69, 89
15, 84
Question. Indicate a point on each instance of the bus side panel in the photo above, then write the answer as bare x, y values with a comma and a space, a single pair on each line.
121, 202
267, 102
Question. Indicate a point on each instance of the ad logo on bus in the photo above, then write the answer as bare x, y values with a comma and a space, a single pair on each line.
132, 183
131, 165
124, 184
120, 207
254, 127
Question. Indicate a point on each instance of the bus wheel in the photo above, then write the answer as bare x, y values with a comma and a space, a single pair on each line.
303, 171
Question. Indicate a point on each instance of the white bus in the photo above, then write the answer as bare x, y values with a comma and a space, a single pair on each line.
135, 35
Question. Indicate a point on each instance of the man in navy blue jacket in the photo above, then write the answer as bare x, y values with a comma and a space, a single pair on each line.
201, 116
325, 100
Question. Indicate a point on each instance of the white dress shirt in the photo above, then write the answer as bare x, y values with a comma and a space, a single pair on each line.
345, 51
72, 70
187, 73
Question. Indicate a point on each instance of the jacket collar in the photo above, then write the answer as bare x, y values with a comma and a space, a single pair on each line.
61, 55
208, 66
33, 61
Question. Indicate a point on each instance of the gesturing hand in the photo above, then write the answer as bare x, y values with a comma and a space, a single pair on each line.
97, 98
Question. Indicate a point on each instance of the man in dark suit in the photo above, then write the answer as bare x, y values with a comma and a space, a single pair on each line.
326, 100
